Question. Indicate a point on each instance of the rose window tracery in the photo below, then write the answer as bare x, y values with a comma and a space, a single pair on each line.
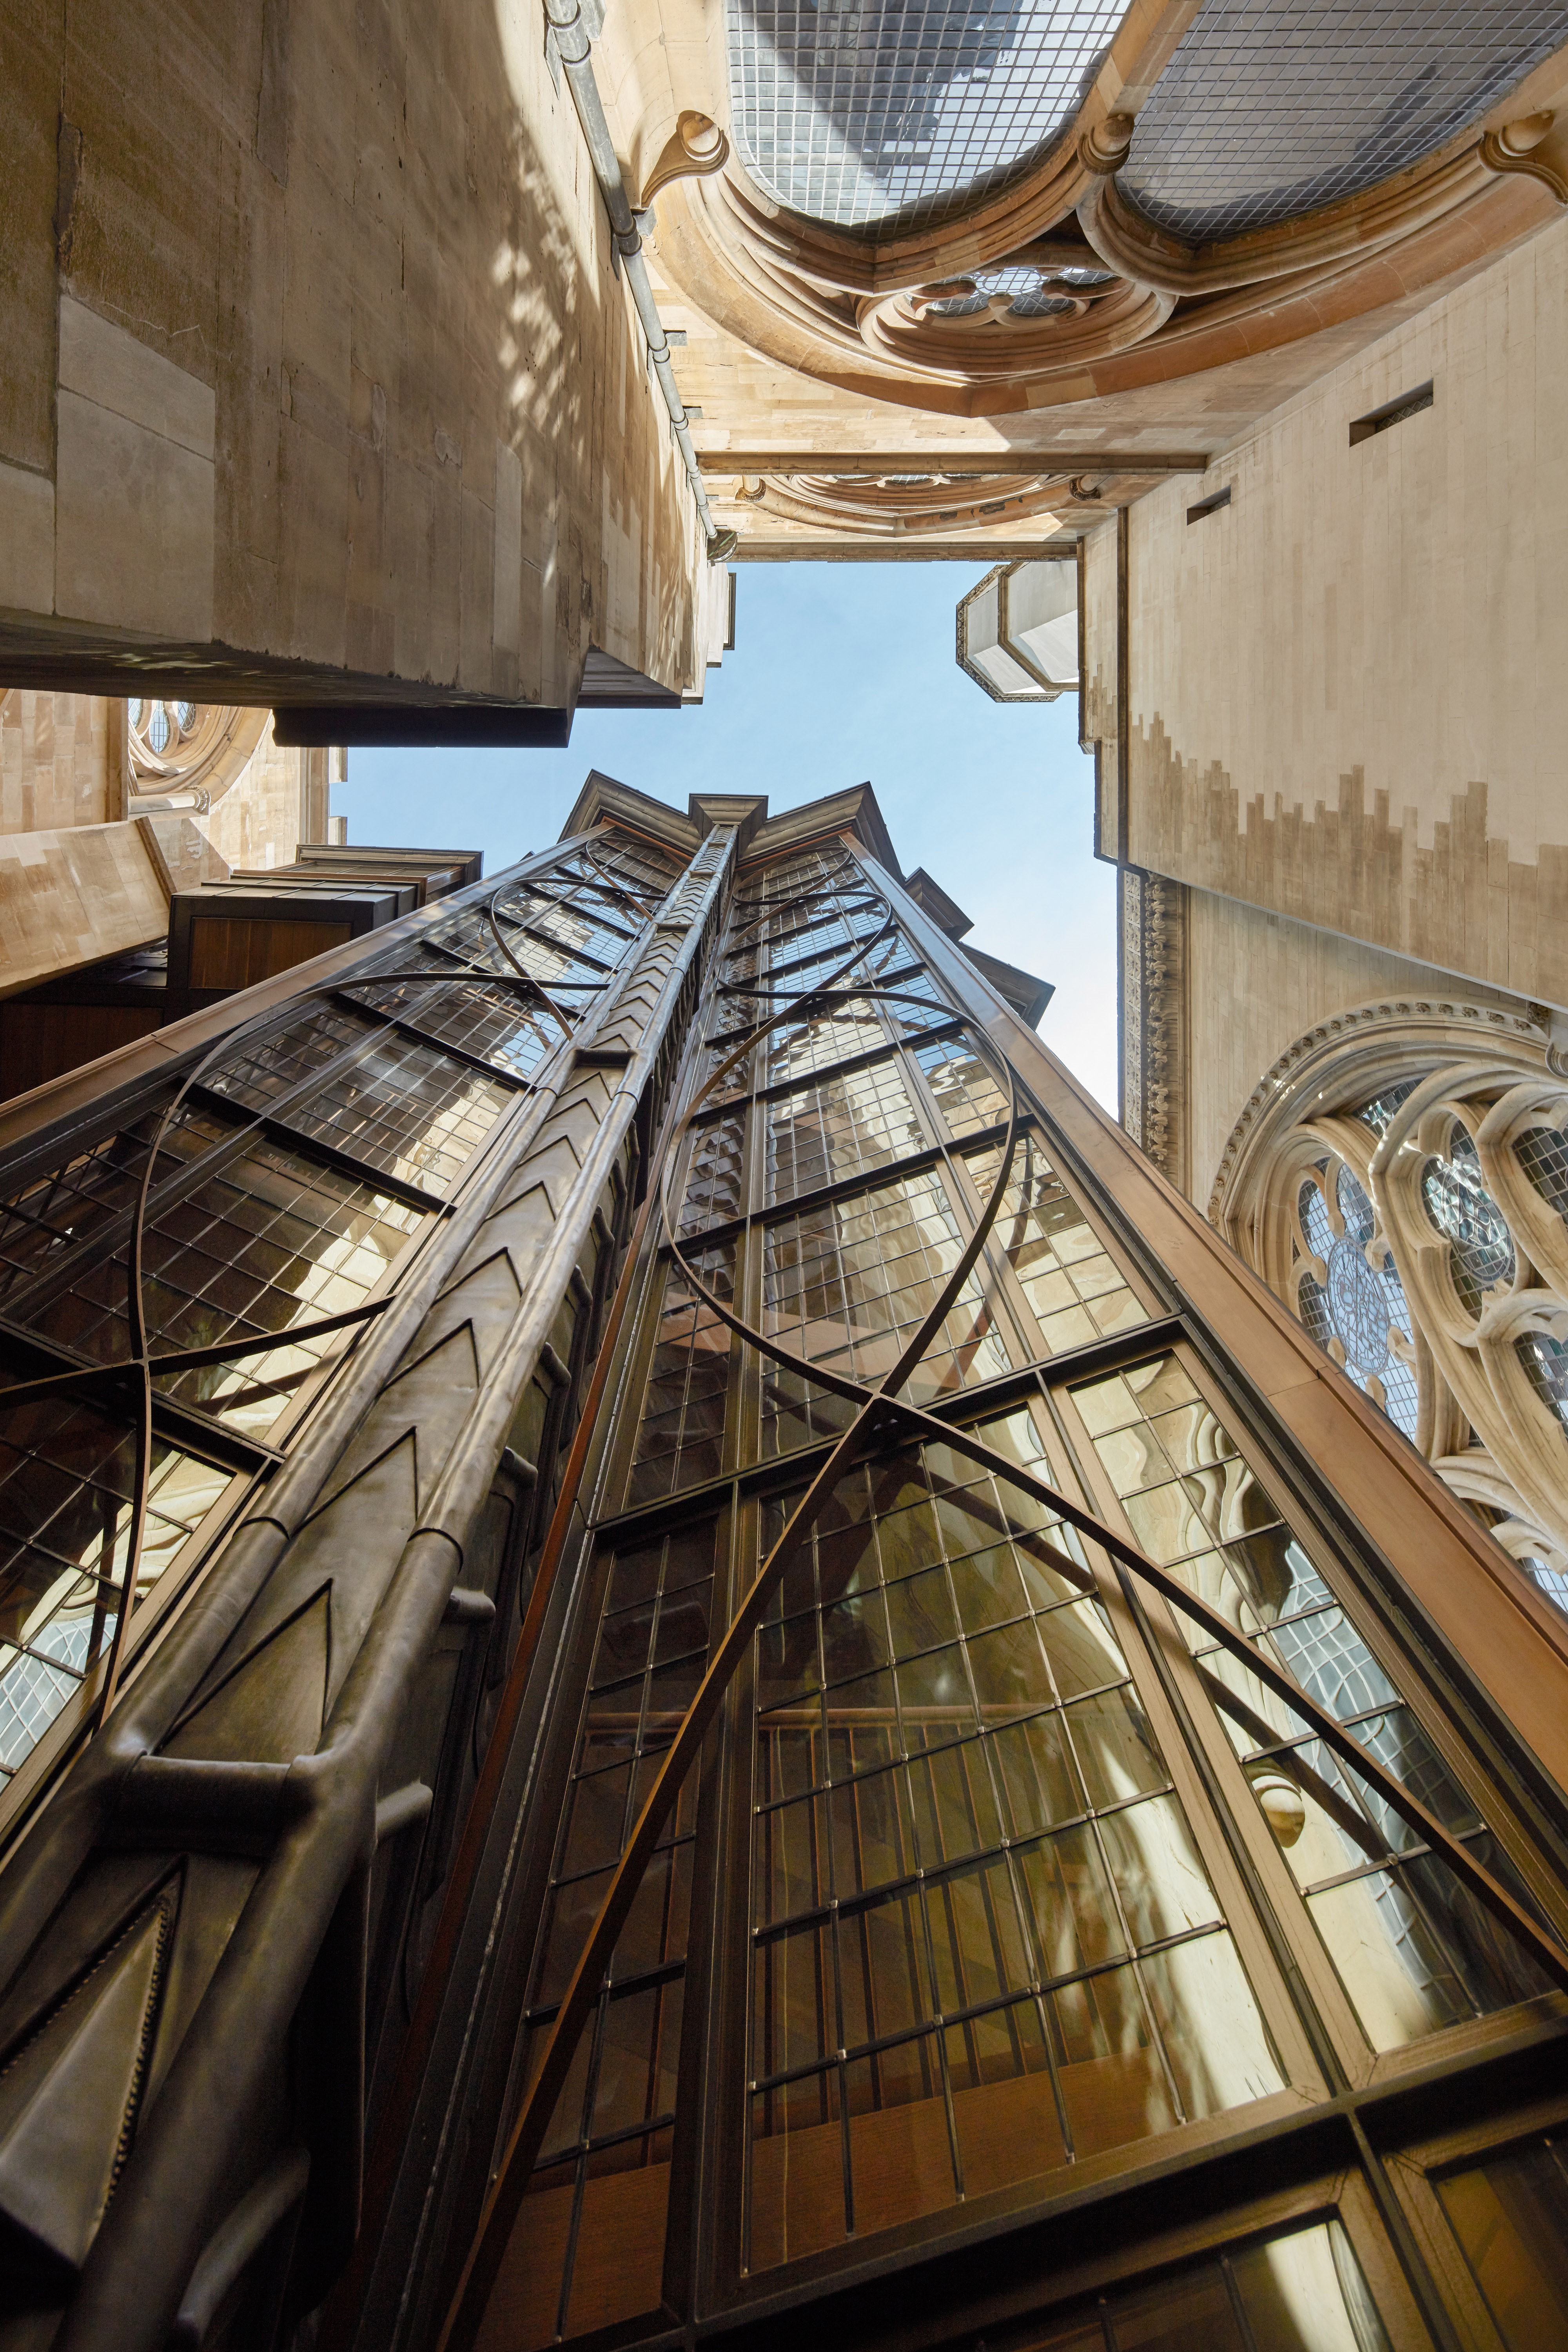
1018, 290
1418, 1226
161, 729
875, 504
177, 747
1352, 1301
1480, 1251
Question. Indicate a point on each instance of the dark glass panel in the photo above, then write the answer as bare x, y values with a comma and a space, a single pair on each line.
1509, 2215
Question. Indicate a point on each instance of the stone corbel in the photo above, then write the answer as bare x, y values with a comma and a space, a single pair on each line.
1517, 148
697, 147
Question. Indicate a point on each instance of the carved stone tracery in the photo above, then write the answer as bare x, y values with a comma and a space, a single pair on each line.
1409, 1160
873, 505
1153, 969
179, 746
1040, 290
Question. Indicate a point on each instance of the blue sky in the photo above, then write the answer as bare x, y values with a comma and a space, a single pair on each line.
842, 674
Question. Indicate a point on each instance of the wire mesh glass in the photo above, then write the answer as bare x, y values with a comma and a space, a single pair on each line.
1271, 108
896, 110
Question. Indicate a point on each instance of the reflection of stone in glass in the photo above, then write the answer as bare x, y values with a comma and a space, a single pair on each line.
1414, 1949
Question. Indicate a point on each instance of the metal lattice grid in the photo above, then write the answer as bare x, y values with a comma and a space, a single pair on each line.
1545, 1362
1379, 1112
714, 1180
650, 1653
898, 109
57, 1210
1271, 108
966, 1094
405, 1110
1542, 1154
490, 1022
268, 1240
1077, 1293
1480, 1253
680, 1434
843, 1285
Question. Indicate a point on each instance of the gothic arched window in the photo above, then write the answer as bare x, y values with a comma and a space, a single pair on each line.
1416, 1222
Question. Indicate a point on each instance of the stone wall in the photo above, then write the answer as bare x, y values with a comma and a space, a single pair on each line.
317, 361
58, 756
1256, 983
1349, 688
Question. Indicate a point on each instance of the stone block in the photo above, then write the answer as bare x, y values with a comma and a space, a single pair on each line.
27, 541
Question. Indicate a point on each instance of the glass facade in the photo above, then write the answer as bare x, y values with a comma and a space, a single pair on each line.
293, 1171
969, 1905
824, 1879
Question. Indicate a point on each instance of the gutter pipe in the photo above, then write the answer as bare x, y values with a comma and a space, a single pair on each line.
565, 18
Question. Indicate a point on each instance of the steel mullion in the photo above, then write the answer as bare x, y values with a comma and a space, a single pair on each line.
807, 1203
580, 883
228, 1448
536, 932
945, 1023
376, 1180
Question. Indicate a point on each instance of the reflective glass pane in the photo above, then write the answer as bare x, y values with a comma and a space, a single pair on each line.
1510, 2216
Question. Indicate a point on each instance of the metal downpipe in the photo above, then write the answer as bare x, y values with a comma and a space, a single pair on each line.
566, 18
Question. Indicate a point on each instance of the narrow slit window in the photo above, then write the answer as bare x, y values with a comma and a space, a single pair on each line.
1209, 506
1393, 412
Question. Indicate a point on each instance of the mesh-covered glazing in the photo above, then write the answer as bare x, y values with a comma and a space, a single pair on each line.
899, 109
267, 1241
1271, 108
970, 1869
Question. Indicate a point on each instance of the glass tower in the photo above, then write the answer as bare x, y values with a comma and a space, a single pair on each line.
684, 1660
